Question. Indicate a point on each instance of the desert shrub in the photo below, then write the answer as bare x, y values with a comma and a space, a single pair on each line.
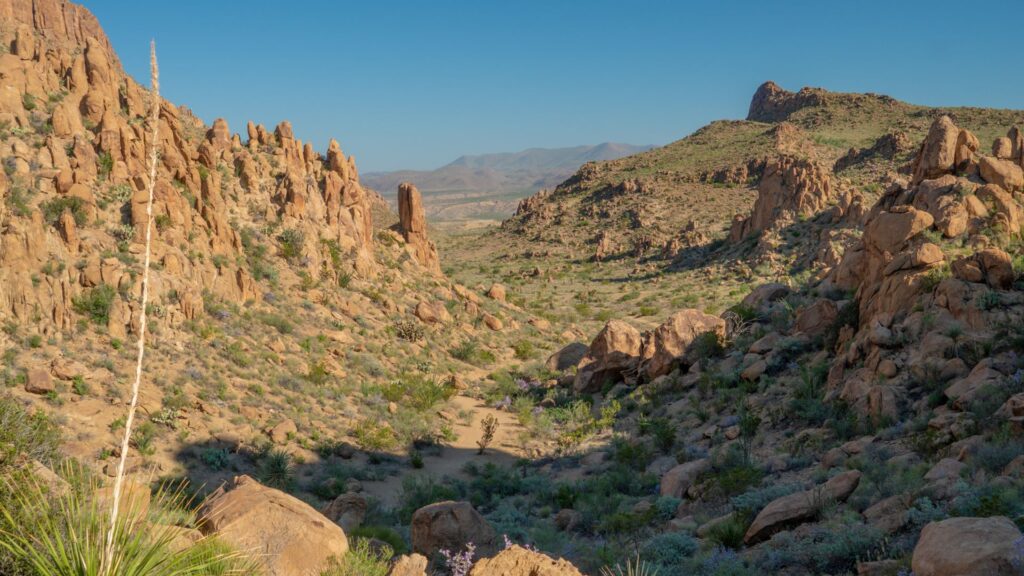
387, 535
409, 330
706, 345
417, 391
276, 321
524, 349
833, 548
752, 501
374, 436
362, 560
667, 506
291, 241
95, 303
30, 433
989, 500
215, 458
104, 165
669, 550
53, 209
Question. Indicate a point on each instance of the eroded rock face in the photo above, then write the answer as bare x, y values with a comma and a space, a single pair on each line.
967, 547
413, 226
772, 103
790, 188
293, 539
450, 526
518, 561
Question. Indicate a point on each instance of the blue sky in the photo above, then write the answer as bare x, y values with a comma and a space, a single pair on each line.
415, 84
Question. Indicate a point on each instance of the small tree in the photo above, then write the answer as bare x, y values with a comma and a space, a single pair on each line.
490, 426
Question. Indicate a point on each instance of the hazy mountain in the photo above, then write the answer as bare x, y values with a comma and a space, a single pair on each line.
490, 185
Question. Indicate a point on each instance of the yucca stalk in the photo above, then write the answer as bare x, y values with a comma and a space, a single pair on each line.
154, 119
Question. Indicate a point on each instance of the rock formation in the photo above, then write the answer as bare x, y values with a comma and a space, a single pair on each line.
790, 188
413, 226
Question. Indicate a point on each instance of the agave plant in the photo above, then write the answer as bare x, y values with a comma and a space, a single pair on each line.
70, 526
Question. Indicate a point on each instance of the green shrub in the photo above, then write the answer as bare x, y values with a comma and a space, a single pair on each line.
292, 240
215, 458
361, 560
276, 469
96, 303
53, 209
669, 550
729, 533
524, 349
419, 491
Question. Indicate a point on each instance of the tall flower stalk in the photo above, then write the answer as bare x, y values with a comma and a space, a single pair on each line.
154, 119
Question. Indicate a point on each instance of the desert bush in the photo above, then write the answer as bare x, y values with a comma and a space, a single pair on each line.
409, 330
362, 560
53, 209
384, 534
833, 548
275, 468
95, 303
729, 533
669, 550
419, 491
291, 240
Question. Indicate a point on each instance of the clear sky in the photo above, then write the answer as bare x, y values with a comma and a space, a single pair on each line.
415, 84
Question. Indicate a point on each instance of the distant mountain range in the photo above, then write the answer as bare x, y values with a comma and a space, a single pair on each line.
488, 186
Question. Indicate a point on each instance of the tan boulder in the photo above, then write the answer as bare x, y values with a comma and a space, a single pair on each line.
567, 357
670, 342
765, 294
518, 561
450, 526
815, 319
678, 480
38, 381
889, 231
793, 509
1006, 174
292, 539
997, 267
496, 292
1002, 148
493, 322
432, 313
409, 565
282, 432
614, 352
937, 155
967, 547
347, 510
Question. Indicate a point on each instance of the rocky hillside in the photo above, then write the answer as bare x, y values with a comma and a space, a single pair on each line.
489, 186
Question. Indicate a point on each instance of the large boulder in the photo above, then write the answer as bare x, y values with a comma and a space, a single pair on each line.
815, 319
678, 480
794, 509
671, 341
291, 537
615, 351
1006, 174
518, 561
569, 356
889, 231
450, 526
968, 547
937, 155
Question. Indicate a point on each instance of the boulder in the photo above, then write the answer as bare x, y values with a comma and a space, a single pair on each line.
968, 547
614, 351
282, 432
793, 509
569, 356
937, 155
815, 319
409, 565
670, 342
889, 231
518, 561
678, 480
413, 227
496, 292
291, 537
1006, 174
765, 294
347, 511
38, 381
432, 313
450, 526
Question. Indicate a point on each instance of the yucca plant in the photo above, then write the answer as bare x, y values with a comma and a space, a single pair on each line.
634, 567
69, 529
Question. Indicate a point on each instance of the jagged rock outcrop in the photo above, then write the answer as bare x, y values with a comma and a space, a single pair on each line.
413, 226
772, 103
63, 73
790, 188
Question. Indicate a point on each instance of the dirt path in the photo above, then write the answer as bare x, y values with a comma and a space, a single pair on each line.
504, 450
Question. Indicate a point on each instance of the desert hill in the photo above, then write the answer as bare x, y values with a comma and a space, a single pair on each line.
489, 185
